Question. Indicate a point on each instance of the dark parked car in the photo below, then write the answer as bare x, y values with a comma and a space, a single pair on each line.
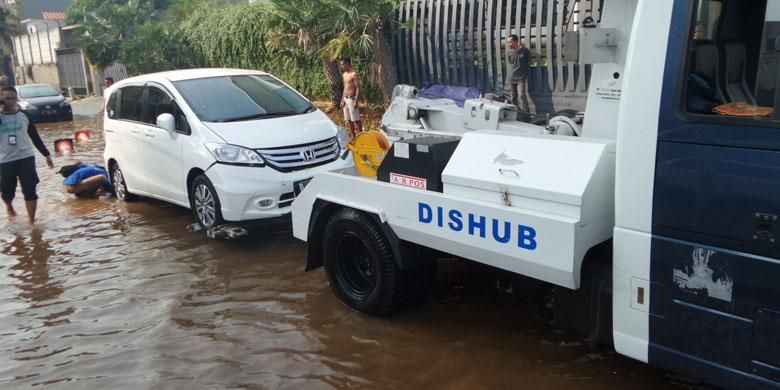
44, 103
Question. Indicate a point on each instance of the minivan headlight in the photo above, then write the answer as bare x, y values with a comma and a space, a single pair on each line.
343, 137
236, 155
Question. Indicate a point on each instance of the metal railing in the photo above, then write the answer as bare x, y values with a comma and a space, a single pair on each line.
461, 42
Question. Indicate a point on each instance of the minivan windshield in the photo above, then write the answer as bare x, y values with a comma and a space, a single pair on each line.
34, 91
241, 98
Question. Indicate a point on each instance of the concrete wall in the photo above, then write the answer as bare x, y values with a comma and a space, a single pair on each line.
38, 48
47, 73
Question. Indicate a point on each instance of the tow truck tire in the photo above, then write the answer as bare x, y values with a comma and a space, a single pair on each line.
419, 280
360, 264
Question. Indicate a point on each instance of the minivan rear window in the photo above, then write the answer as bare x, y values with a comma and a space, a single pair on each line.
241, 98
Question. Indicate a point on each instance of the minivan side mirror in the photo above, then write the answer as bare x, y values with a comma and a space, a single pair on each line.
166, 122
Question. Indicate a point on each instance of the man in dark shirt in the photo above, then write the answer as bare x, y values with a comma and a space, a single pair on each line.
519, 64
18, 136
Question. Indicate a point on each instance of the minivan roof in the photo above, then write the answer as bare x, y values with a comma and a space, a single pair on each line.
189, 74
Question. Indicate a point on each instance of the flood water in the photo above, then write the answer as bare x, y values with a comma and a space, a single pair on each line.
107, 295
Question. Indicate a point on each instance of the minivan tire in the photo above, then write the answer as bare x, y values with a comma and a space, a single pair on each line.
360, 264
205, 204
120, 186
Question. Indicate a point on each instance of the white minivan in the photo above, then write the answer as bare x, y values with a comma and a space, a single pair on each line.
232, 145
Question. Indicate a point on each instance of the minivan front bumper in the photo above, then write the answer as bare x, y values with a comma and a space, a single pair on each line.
249, 193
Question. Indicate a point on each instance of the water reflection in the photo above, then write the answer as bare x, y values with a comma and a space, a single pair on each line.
33, 254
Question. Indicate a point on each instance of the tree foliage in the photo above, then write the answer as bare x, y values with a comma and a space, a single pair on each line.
363, 28
138, 33
9, 26
297, 40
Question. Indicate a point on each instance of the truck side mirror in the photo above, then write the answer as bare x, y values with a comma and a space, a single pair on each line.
166, 122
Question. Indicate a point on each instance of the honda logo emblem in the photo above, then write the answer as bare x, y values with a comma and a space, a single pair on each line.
307, 155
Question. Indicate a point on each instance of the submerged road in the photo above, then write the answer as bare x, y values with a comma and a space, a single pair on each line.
109, 295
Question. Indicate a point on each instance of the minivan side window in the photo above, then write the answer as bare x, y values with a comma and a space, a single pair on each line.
111, 106
159, 102
132, 103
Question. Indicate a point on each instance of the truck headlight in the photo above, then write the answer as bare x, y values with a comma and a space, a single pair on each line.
235, 155
343, 137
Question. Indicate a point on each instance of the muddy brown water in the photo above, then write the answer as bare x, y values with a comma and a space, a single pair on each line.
108, 295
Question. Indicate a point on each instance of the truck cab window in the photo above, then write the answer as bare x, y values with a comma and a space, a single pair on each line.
768, 66
732, 64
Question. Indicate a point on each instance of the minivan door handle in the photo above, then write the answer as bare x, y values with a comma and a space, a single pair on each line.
149, 133
135, 131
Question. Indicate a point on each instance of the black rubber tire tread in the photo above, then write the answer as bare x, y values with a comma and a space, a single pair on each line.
129, 197
202, 178
419, 280
386, 295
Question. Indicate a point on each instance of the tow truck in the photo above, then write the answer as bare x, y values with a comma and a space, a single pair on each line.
655, 218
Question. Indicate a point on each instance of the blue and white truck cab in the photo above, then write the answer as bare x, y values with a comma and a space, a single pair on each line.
666, 199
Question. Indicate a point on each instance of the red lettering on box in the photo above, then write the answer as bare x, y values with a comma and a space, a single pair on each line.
409, 181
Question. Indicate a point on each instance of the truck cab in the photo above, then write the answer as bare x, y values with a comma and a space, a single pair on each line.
669, 197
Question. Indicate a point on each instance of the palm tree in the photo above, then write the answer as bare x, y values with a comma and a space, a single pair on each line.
296, 28
364, 28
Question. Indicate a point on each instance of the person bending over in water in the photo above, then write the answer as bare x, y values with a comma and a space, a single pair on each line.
85, 180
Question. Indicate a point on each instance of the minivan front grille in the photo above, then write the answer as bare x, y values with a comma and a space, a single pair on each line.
293, 158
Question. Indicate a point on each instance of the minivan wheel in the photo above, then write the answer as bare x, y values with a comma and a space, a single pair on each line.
120, 187
360, 264
205, 203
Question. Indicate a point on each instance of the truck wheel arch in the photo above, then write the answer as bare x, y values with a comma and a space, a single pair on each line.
321, 212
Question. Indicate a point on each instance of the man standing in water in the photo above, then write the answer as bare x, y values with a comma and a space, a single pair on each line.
520, 63
18, 135
351, 97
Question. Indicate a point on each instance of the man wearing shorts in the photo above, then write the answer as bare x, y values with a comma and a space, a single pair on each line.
351, 97
17, 157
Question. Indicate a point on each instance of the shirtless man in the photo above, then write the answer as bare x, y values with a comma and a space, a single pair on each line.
351, 97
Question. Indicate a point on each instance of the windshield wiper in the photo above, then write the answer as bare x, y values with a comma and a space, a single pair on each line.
241, 118
308, 110
265, 115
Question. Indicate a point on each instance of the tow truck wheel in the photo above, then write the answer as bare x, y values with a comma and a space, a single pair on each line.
419, 280
360, 264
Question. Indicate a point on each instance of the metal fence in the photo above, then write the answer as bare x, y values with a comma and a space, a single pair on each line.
461, 42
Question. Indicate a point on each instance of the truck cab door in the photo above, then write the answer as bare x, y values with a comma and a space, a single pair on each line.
714, 299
